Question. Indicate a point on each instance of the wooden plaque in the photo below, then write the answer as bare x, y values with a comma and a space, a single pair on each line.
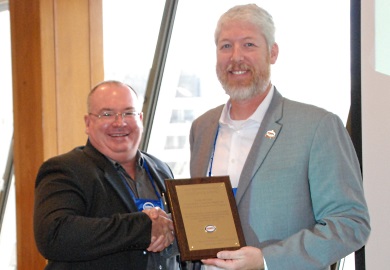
205, 216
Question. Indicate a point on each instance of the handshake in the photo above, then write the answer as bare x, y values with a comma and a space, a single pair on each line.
162, 229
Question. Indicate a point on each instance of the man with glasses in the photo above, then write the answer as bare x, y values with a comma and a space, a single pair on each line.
101, 206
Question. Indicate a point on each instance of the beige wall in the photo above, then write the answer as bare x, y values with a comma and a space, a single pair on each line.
56, 57
376, 135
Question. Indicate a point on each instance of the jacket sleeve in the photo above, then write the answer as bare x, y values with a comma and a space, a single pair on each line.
339, 207
78, 216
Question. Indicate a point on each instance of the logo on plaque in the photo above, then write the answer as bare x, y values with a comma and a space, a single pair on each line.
210, 228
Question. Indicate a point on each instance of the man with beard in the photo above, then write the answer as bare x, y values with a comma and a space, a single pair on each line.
293, 168
100, 206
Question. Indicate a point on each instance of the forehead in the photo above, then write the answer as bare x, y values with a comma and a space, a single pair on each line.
113, 97
239, 29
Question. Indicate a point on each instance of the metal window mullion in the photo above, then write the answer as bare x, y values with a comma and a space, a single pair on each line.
156, 73
8, 175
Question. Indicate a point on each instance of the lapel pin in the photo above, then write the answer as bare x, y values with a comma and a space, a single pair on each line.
270, 134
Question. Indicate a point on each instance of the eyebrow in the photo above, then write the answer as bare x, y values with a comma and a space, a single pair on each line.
111, 109
245, 39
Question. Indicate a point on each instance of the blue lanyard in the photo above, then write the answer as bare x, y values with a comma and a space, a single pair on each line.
145, 165
212, 154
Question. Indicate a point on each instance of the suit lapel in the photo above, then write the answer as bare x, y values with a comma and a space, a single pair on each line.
158, 177
111, 175
117, 183
201, 164
265, 138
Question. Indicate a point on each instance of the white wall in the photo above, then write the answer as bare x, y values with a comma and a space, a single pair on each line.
376, 127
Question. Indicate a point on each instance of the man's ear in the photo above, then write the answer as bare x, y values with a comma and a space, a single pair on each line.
274, 53
87, 120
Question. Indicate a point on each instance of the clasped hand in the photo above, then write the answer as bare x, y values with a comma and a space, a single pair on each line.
247, 258
162, 229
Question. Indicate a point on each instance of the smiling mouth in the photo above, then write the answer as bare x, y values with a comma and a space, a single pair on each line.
119, 135
239, 72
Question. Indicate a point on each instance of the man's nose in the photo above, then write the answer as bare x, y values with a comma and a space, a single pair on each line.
236, 54
119, 118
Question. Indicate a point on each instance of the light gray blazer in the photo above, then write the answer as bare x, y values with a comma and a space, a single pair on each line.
300, 194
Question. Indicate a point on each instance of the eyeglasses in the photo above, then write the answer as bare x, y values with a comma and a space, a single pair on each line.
111, 116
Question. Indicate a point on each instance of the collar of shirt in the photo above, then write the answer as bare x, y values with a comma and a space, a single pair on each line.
256, 117
139, 158
142, 187
234, 141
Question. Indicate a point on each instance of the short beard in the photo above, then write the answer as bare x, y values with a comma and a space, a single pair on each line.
258, 85
242, 92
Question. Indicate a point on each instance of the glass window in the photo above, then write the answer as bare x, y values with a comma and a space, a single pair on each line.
130, 32
6, 112
8, 225
313, 66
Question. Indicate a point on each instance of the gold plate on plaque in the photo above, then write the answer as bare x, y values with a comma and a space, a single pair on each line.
205, 216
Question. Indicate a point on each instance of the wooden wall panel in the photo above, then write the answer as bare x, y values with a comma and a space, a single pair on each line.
96, 41
56, 58
48, 75
72, 70
28, 133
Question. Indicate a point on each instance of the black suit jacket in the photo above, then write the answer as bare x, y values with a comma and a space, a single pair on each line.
84, 217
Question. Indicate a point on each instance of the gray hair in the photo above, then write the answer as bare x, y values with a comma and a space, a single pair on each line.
253, 14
